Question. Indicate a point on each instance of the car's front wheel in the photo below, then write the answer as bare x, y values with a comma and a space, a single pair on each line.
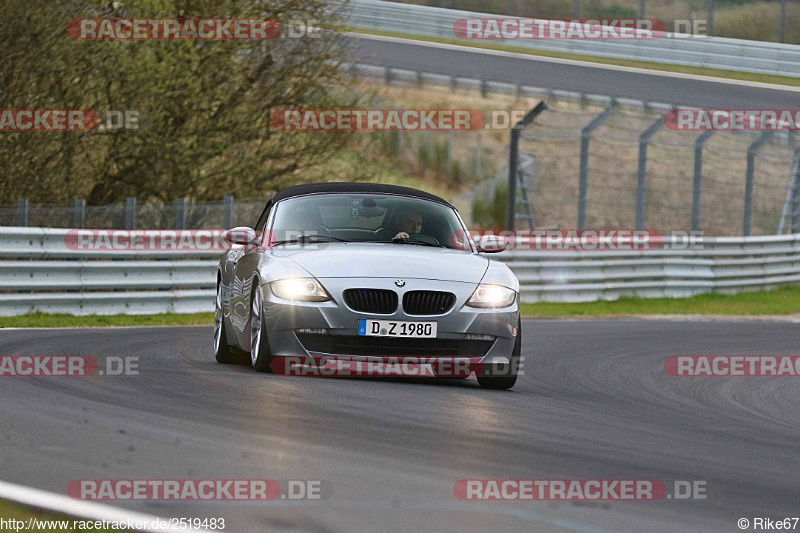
502, 377
260, 354
223, 352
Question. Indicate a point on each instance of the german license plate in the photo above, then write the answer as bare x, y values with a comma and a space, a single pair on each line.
393, 328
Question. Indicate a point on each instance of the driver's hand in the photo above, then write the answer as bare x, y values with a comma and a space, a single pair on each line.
401, 235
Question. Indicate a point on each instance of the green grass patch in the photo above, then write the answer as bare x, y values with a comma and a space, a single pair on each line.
700, 71
782, 301
42, 320
12, 510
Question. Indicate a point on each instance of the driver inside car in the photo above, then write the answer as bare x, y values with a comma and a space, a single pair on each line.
410, 222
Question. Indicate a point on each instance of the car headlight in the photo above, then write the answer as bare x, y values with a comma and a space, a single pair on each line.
492, 296
302, 289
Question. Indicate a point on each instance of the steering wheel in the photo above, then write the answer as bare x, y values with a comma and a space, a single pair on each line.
421, 237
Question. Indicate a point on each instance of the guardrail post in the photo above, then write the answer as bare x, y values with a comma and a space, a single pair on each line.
641, 192
748, 187
583, 181
227, 222
484, 88
180, 213
387, 76
698, 177
79, 213
21, 218
513, 162
130, 212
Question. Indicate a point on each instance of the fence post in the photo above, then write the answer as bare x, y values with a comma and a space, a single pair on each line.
748, 190
698, 177
796, 199
513, 162
21, 218
387, 76
641, 191
79, 213
130, 212
478, 156
180, 213
583, 180
228, 215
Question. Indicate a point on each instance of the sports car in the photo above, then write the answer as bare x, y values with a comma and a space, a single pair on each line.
335, 274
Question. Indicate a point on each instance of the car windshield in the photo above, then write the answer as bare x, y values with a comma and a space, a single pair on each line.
368, 218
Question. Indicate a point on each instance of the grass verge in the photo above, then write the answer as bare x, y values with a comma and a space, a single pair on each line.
698, 71
53, 522
781, 301
42, 320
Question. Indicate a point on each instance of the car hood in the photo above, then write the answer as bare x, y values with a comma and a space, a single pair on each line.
385, 260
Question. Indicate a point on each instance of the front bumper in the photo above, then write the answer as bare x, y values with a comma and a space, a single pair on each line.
325, 331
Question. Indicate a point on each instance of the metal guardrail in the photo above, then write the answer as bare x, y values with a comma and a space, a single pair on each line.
697, 51
92, 284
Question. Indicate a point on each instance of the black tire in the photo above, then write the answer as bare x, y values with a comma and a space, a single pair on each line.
504, 377
224, 353
260, 353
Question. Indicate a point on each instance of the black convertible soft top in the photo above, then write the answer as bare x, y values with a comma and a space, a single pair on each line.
345, 187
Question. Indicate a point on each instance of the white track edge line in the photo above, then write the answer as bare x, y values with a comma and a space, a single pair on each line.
83, 509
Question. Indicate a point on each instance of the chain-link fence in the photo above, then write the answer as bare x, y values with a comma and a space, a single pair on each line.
180, 214
622, 168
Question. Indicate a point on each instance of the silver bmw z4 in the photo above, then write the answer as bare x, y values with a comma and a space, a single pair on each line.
335, 276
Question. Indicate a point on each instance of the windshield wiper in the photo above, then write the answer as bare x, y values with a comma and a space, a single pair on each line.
308, 239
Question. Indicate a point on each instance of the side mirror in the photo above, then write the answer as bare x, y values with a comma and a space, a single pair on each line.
241, 235
491, 244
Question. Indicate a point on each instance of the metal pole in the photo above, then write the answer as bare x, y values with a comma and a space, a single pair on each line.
782, 23
576, 9
710, 21
642, 9
748, 191
641, 193
478, 156
79, 213
227, 222
513, 162
130, 212
698, 178
180, 213
22, 212
583, 181
792, 195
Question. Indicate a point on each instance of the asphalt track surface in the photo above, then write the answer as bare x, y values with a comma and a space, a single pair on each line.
594, 403
539, 72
